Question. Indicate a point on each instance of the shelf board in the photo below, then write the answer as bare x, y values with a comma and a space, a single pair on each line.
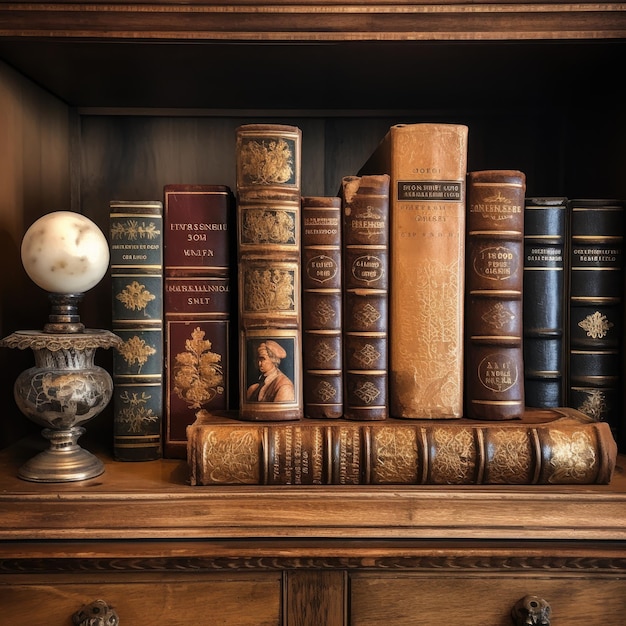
308, 55
153, 500
306, 20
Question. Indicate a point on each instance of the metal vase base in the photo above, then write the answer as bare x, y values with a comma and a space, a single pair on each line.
63, 461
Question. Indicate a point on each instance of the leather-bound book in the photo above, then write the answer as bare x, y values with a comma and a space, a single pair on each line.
136, 245
321, 307
495, 267
534, 450
544, 305
365, 201
199, 272
269, 254
427, 164
596, 310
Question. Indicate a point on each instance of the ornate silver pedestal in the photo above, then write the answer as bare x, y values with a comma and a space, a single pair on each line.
61, 392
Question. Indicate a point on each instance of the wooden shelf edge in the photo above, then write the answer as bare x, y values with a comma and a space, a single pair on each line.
152, 500
313, 21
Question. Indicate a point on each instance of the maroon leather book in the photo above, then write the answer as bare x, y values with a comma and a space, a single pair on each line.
365, 201
495, 265
198, 306
321, 307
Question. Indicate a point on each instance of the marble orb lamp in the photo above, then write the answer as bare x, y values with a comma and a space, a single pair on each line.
66, 254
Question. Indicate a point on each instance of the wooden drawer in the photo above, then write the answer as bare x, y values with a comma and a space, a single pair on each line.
192, 598
486, 598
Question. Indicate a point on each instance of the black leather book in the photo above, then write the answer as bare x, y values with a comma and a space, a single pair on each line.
545, 222
596, 312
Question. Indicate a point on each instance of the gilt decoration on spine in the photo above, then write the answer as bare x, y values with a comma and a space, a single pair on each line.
427, 165
548, 447
136, 243
322, 348
269, 247
494, 324
198, 302
596, 310
365, 202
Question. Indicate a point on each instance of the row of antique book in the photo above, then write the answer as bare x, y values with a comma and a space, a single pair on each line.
420, 291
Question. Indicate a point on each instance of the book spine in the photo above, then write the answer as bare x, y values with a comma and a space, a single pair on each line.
428, 166
544, 305
332, 452
494, 323
269, 255
595, 328
322, 307
198, 261
365, 205
136, 245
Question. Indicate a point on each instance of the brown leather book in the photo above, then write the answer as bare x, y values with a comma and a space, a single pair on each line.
494, 323
365, 201
198, 307
269, 248
427, 164
321, 307
546, 447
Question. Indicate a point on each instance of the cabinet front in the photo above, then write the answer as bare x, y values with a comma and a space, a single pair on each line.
484, 598
143, 599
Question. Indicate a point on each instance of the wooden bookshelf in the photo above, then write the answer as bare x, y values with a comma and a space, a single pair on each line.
104, 100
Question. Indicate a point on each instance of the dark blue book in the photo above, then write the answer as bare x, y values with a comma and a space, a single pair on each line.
136, 244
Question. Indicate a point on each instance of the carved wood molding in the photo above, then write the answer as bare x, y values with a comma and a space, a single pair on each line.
560, 565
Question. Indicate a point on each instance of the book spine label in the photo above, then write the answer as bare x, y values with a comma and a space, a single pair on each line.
428, 166
136, 245
197, 306
535, 450
269, 285
545, 221
322, 347
596, 310
495, 263
366, 295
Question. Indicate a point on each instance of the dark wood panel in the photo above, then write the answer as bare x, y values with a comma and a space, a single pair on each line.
313, 598
308, 75
34, 179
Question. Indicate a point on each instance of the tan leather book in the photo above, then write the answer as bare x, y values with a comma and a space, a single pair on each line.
427, 164
546, 447
322, 352
269, 280
494, 322
365, 206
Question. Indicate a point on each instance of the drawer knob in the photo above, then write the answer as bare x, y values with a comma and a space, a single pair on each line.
531, 611
96, 613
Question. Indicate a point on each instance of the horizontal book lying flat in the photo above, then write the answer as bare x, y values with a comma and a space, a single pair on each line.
545, 447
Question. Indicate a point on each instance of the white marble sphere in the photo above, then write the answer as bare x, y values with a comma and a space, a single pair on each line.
65, 252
